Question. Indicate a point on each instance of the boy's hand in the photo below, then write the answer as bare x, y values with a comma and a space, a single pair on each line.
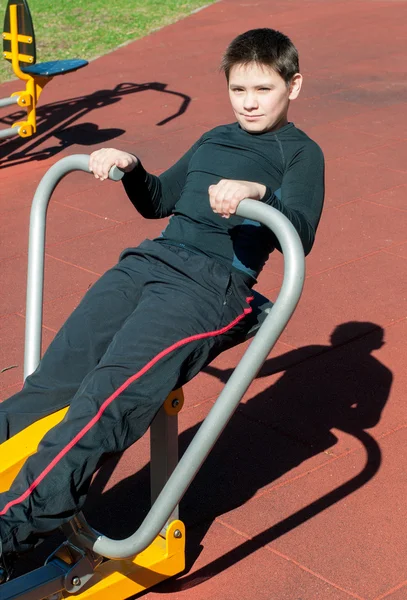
224, 197
101, 161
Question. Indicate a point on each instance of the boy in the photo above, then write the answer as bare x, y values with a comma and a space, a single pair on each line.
172, 304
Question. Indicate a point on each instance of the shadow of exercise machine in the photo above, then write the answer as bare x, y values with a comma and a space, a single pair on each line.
156, 550
57, 120
19, 49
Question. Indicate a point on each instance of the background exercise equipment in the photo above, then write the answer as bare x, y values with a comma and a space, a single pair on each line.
19, 49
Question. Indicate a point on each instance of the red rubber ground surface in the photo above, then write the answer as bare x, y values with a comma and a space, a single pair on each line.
303, 498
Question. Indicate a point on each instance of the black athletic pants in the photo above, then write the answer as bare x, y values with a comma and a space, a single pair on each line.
144, 328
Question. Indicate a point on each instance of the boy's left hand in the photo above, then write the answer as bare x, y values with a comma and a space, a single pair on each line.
224, 197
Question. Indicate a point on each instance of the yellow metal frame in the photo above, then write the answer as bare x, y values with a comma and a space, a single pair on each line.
118, 579
28, 98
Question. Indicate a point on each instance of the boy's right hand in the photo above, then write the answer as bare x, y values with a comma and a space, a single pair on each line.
101, 161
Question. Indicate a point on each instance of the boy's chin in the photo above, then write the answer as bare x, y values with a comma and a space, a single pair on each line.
261, 127
255, 127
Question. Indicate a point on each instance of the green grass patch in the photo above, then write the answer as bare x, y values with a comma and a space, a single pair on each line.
90, 28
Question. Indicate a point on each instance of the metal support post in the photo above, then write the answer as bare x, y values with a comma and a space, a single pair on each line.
164, 447
8, 101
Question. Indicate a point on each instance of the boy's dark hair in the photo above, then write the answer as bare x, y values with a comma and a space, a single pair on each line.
266, 47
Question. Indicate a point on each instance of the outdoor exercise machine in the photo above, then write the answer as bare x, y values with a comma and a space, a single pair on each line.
88, 564
19, 49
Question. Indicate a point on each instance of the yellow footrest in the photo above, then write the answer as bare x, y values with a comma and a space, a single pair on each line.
121, 579
118, 579
17, 449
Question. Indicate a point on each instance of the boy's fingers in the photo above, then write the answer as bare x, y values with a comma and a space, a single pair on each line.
213, 197
233, 206
221, 197
219, 203
101, 161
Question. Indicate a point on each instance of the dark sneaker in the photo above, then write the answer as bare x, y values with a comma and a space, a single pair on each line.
5, 566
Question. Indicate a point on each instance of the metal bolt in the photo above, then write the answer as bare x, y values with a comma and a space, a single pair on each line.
177, 534
22, 101
175, 403
76, 581
24, 131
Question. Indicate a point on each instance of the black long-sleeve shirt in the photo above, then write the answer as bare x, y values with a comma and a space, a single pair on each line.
286, 161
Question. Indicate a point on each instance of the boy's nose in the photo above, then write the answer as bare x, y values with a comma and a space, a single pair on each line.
250, 101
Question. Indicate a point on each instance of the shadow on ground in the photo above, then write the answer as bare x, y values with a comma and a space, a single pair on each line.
321, 388
56, 120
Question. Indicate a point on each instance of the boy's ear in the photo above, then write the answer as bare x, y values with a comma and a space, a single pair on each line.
295, 86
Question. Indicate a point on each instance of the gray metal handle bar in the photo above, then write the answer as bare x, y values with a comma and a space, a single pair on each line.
229, 398
11, 131
233, 391
36, 250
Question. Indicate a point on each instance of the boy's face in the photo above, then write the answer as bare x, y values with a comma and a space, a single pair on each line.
260, 97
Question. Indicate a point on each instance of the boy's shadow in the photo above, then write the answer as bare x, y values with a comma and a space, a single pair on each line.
322, 388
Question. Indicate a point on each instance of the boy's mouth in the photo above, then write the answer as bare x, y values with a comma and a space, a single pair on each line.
252, 117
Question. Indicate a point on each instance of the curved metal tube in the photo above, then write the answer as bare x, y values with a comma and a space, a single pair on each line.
233, 391
232, 557
36, 250
230, 396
